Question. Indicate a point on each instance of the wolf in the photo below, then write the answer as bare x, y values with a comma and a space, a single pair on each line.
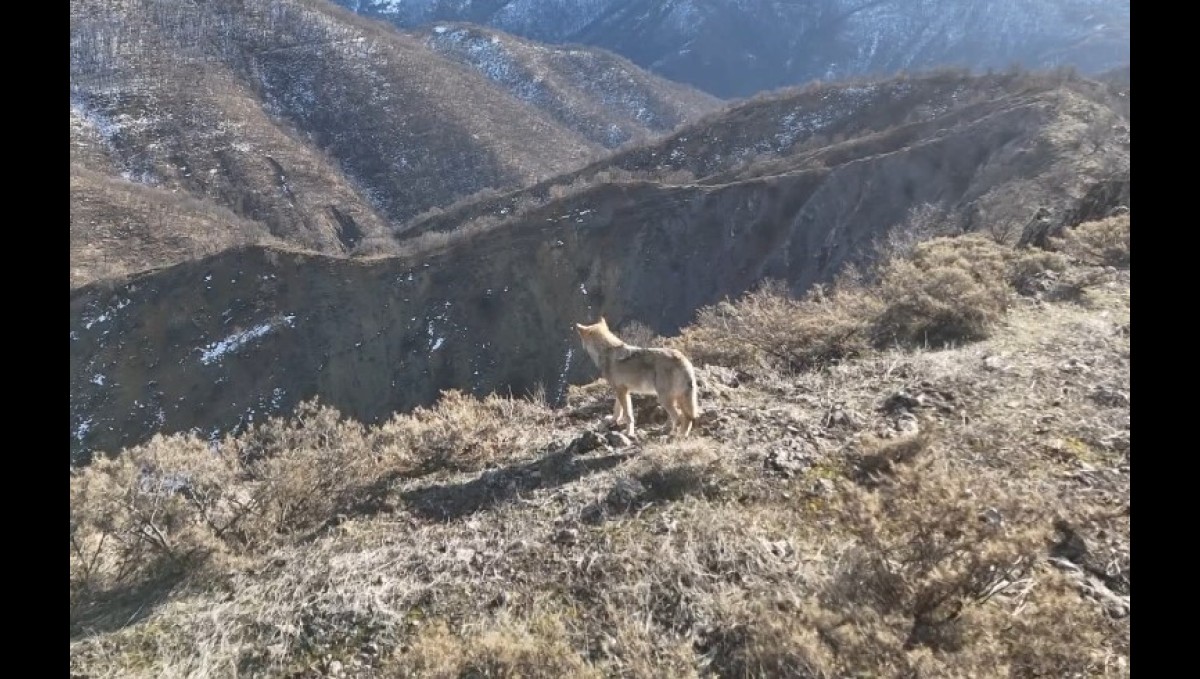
666, 373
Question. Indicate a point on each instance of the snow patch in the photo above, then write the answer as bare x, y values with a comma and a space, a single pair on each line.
83, 428
105, 315
217, 350
562, 376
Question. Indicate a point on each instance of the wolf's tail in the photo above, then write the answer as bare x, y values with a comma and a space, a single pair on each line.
691, 397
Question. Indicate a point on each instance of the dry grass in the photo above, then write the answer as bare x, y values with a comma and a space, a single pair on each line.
481, 538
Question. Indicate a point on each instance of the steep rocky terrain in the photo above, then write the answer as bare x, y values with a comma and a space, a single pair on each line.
217, 343
739, 47
315, 126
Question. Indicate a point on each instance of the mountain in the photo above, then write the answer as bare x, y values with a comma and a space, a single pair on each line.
200, 125
734, 48
482, 298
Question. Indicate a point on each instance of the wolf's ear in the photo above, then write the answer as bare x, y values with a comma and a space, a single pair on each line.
579, 327
603, 322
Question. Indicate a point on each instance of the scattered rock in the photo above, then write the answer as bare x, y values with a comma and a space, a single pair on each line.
994, 363
335, 668
1040, 282
625, 492
618, 440
592, 514
1118, 441
466, 555
1074, 365
586, 443
780, 548
1108, 396
840, 416
991, 515
788, 461
566, 536
908, 424
823, 487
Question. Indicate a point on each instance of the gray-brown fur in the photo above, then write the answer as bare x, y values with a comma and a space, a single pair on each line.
666, 373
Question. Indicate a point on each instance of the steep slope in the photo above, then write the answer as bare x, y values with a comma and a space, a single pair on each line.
811, 128
215, 343
598, 94
738, 47
120, 227
319, 125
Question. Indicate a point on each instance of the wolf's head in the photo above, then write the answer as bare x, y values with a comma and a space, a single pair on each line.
597, 335
585, 329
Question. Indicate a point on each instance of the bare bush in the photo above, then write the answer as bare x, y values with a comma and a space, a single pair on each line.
1103, 242
769, 328
932, 550
948, 290
639, 334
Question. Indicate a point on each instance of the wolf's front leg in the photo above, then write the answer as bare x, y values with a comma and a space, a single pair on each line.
618, 411
627, 402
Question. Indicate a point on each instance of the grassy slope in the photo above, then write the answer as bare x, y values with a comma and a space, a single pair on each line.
807, 530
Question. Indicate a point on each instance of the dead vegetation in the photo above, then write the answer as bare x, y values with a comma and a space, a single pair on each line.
942, 291
1103, 242
949, 509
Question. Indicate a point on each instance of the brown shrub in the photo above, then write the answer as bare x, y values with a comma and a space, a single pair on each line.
639, 334
168, 505
948, 290
767, 328
931, 552
300, 472
936, 292
459, 432
766, 643
1103, 242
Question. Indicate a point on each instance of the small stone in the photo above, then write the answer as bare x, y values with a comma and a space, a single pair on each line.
586, 443
626, 491
335, 668
788, 461
566, 536
465, 555
1108, 396
592, 514
823, 487
617, 440
907, 424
